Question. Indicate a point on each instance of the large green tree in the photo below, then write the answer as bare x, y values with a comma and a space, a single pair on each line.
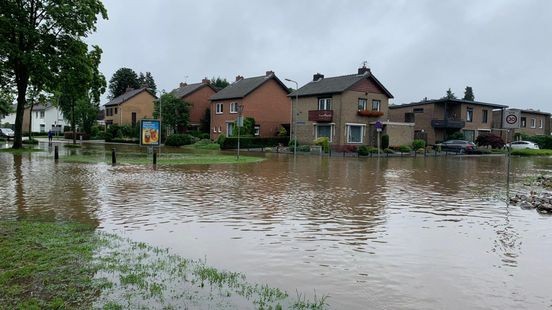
175, 112
30, 36
449, 95
121, 80
147, 81
468, 94
219, 82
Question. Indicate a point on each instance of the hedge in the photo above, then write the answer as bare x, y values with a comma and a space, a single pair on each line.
253, 142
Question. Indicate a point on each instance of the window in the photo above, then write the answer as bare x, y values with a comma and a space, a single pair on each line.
42, 128
219, 129
485, 116
214, 129
324, 131
376, 104
36, 114
41, 114
418, 110
469, 115
523, 122
355, 132
133, 119
541, 123
533, 123
362, 104
219, 108
115, 110
325, 104
233, 107
229, 129
257, 130
409, 118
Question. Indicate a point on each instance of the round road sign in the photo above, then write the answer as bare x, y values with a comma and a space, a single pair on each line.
511, 119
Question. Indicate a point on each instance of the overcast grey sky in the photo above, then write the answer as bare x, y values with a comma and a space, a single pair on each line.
417, 49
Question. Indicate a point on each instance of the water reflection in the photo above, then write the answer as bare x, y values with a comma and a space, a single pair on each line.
392, 233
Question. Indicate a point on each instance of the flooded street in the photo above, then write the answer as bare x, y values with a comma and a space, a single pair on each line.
397, 233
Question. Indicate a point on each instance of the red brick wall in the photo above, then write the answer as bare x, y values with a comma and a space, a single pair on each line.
366, 85
200, 101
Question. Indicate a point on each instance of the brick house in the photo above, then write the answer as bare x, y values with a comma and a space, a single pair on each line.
197, 95
435, 120
130, 107
263, 98
345, 109
533, 123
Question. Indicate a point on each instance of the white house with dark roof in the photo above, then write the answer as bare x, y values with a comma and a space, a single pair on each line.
43, 119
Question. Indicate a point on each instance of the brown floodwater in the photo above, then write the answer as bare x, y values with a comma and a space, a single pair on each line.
397, 233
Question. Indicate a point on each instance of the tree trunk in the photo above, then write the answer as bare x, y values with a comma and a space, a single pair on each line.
73, 121
22, 81
31, 121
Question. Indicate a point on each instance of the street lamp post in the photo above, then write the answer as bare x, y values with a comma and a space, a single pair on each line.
293, 120
239, 123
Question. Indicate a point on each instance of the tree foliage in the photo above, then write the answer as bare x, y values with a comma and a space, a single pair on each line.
489, 139
32, 36
121, 80
205, 122
449, 95
219, 82
468, 94
175, 112
147, 81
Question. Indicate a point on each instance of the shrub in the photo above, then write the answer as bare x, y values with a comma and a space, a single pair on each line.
30, 141
70, 134
365, 150
179, 140
544, 142
252, 142
530, 152
489, 139
456, 136
220, 140
404, 149
418, 144
282, 132
324, 142
388, 151
303, 148
384, 141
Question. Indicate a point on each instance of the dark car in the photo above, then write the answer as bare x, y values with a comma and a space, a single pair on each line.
6, 133
460, 146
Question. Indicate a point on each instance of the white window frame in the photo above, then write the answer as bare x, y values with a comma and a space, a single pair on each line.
332, 129
219, 108
348, 132
364, 104
233, 107
257, 130
325, 104
229, 124
541, 123
469, 115
378, 105
533, 123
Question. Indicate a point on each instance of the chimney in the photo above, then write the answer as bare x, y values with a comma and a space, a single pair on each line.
239, 77
182, 84
363, 70
269, 73
317, 77
206, 81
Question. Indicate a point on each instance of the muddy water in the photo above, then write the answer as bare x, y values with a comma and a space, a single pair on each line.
399, 233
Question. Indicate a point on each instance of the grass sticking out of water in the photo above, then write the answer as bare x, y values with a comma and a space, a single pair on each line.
529, 152
60, 265
164, 159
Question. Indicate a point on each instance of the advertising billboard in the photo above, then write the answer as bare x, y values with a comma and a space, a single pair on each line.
150, 132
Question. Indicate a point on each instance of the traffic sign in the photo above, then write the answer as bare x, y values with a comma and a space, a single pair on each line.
512, 119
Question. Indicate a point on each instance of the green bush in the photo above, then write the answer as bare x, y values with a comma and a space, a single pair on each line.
220, 140
456, 136
388, 151
253, 142
282, 132
404, 149
303, 148
179, 140
365, 150
544, 142
324, 142
31, 141
531, 152
384, 141
418, 144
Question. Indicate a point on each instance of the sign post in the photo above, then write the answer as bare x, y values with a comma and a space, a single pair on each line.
150, 134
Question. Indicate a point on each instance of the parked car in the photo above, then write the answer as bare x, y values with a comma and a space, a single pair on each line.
6, 133
522, 145
460, 146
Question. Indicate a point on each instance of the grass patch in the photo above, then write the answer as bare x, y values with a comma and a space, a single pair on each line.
204, 145
20, 151
45, 265
164, 159
530, 152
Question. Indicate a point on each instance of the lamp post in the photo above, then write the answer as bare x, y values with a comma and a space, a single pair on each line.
294, 128
239, 125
